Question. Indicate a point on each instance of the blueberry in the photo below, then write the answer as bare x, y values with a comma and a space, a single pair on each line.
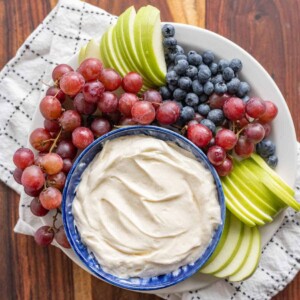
187, 113
204, 73
214, 68
233, 85
208, 88
172, 87
209, 124
228, 74
179, 94
168, 30
216, 116
165, 92
245, 99
179, 49
194, 58
179, 57
179, 104
192, 52
172, 77
265, 148
191, 71
236, 65
185, 83
191, 99
203, 98
203, 109
181, 67
243, 89
170, 67
208, 57
272, 161
220, 88
170, 43
223, 63
217, 79
174, 52
197, 87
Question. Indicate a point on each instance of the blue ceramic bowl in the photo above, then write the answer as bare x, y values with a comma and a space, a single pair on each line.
87, 257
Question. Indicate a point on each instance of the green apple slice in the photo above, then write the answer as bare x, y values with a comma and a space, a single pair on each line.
148, 43
252, 178
260, 161
246, 202
92, 50
240, 257
252, 258
242, 210
244, 186
229, 249
103, 52
81, 56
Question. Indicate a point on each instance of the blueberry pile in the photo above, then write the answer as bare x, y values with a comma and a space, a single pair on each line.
193, 77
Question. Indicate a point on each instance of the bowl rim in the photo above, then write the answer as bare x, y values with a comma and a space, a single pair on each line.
208, 250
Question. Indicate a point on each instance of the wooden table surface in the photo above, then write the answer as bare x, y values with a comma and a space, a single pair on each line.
268, 29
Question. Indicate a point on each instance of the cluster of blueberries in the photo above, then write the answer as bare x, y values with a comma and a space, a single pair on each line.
191, 78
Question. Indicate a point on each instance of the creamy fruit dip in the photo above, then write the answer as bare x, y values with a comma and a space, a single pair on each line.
145, 207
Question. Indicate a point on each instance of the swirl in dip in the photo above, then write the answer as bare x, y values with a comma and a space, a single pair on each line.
145, 207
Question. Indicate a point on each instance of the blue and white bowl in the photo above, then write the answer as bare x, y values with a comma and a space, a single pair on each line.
87, 257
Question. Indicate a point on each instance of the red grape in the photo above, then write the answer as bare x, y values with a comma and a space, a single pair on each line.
52, 126
44, 236
154, 97
23, 158
108, 103
61, 238
72, 83
234, 108
90, 68
168, 112
92, 91
82, 137
56, 92
216, 155
243, 122
82, 106
267, 128
58, 180
255, 107
254, 132
40, 139
32, 192
132, 82
60, 70
199, 134
33, 177
66, 149
52, 163
50, 108
225, 168
192, 122
126, 102
18, 175
38, 158
226, 139
217, 101
69, 120
67, 165
270, 113
143, 112
127, 121
50, 198
244, 148
111, 79
198, 117
37, 208
100, 126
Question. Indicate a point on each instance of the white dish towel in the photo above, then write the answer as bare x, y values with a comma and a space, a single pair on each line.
69, 26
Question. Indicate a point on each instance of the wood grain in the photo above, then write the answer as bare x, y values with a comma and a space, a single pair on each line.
268, 29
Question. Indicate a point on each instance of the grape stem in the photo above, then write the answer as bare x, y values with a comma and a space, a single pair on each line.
55, 219
55, 141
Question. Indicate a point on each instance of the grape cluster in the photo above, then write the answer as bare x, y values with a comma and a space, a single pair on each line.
215, 109
80, 106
